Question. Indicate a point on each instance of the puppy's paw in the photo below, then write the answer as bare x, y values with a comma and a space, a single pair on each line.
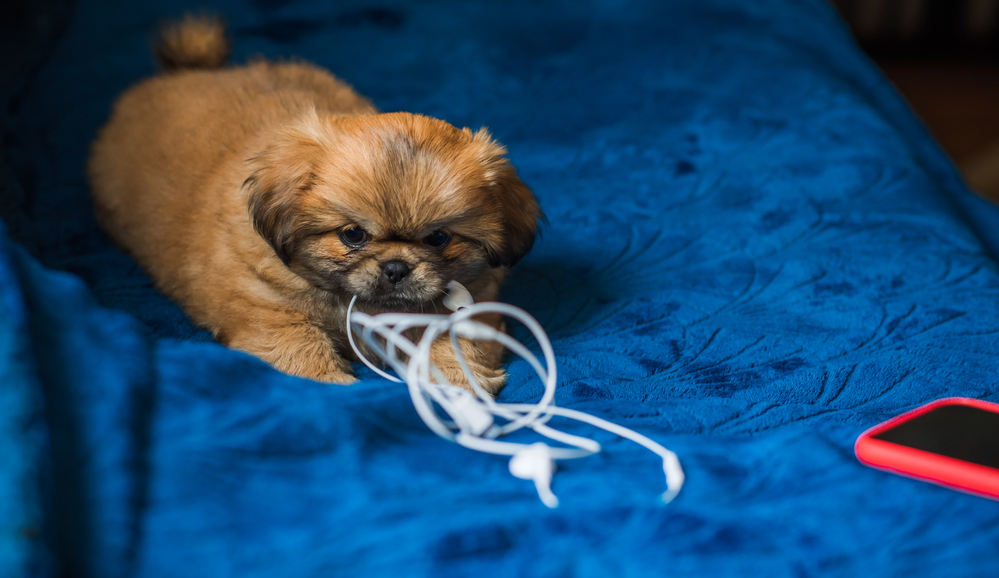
296, 349
490, 379
336, 377
319, 368
315, 368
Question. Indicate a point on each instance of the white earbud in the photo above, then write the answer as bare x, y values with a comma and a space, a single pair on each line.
535, 462
457, 296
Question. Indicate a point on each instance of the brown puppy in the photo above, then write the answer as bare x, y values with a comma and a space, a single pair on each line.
263, 197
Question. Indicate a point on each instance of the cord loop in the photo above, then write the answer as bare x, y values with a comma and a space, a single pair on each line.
473, 414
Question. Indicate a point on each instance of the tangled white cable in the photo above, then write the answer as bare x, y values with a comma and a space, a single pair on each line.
473, 416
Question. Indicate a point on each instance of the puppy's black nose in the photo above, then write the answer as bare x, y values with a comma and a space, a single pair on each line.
395, 271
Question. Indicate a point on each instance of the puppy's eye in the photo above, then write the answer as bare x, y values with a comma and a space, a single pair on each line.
437, 239
354, 236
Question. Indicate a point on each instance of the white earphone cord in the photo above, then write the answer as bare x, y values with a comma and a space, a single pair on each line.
473, 416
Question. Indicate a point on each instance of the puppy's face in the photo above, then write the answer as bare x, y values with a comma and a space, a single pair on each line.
390, 207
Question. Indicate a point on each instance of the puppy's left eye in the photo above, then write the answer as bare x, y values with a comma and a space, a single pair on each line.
437, 239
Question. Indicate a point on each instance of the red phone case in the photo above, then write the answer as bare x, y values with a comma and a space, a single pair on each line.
922, 465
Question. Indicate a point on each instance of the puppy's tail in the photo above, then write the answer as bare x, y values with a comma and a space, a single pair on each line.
193, 42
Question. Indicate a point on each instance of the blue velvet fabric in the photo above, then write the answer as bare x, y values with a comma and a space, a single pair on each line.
754, 253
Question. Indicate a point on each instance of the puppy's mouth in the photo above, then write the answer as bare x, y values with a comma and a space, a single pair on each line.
403, 301
399, 286
402, 298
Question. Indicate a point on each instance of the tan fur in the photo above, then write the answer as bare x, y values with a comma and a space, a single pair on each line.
231, 188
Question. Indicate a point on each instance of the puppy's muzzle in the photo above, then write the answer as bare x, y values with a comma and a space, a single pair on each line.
395, 271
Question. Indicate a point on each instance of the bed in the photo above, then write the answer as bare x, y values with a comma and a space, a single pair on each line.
754, 252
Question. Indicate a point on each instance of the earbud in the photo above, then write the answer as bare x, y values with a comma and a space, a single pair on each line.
535, 462
457, 296
674, 476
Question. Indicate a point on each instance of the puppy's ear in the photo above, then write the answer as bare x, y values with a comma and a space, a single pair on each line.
280, 177
520, 209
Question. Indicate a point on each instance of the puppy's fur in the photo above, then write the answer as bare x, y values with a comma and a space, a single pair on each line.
262, 197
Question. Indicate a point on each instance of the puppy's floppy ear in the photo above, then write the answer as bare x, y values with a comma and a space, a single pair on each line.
280, 177
520, 209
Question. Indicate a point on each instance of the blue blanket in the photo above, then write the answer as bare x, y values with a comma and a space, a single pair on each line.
754, 253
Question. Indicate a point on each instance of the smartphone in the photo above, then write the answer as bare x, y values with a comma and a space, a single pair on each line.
952, 442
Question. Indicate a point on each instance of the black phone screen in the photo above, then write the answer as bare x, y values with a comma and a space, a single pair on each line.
958, 431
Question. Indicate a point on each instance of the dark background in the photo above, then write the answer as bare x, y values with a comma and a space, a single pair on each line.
943, 56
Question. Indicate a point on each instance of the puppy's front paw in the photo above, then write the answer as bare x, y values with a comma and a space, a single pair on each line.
484, 359
316, 367
335, 377
296, 349
490, 379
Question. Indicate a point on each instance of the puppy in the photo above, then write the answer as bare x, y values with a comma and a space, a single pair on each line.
262, 198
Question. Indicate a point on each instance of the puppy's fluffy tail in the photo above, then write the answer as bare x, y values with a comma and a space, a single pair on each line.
193, 42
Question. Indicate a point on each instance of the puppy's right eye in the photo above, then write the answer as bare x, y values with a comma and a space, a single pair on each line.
354, 236
437, 239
